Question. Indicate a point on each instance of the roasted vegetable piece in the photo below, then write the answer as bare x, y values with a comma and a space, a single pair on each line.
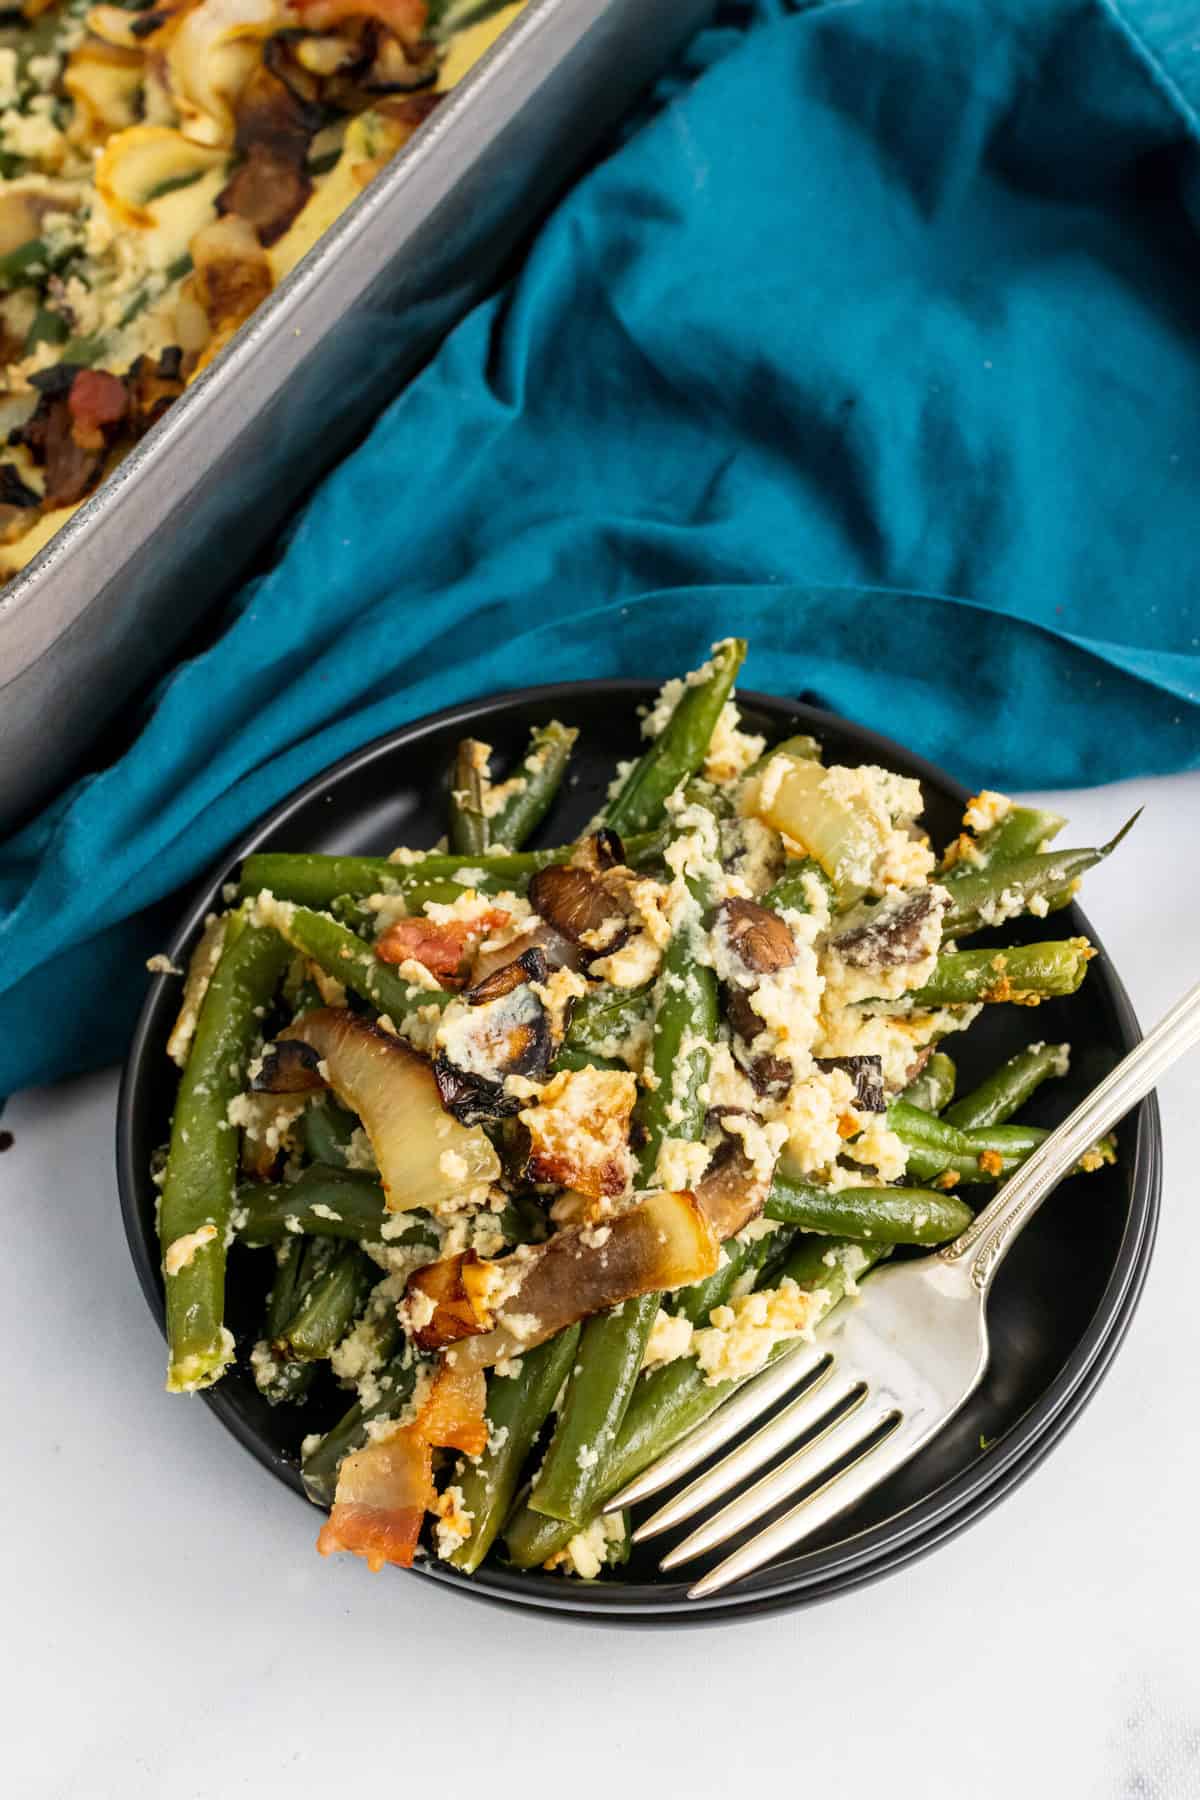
323, 1202
197, 1195
579, 905
320, 1466
1022, 831
280, 1380
1004, 890
933, 1088
680, 747
425, 1157
663, 1241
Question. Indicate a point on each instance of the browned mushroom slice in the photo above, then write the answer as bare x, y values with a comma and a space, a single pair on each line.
663, 1242
425, 1156
770, 1074
479, 1045
759, 938
733, 1191
866, 1072
581, 908
289, 1067
901, 929
579, 1131
531, 965
599, 852
274, 128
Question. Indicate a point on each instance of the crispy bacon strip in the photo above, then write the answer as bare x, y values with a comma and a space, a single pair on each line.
442, 948
405, 17
385, 1490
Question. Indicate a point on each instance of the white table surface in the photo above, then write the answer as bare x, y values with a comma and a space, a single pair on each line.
170, 1632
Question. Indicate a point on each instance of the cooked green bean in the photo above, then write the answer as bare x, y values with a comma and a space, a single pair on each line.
541, 773
276, 1381
671, 1401
791, 892
330, 1306
933, 1089
467, 825
324, 1202
1007, 1089
600, 1021
883, 1215
1023, 831
327, 1128
1004, 890
517, 1408
1024, 973
315, 880
680, 747
201, 1172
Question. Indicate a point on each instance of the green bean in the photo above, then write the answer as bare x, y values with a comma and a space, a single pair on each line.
323, 1202
980, 897
201, 1172
613, 1344
1007, 1089
680, 747
311, 879
992, 1153
344, 956
467, 828
1024, 973
276, 1381
671, 1401
542, 770
697, 1301
330, 1307
933, 1089
604, 1018
1023, 831
326, 1127
319, 1469
790, 893
884, 1215
517, 1408
570, 1056
22, 266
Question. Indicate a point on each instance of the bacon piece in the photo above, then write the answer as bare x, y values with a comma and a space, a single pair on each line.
96, 401
441, 948
385, 1490
405, 17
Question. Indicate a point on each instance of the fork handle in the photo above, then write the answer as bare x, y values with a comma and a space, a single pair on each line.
986, 1241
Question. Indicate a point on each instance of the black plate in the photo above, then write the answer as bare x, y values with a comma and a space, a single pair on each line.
1061, 1303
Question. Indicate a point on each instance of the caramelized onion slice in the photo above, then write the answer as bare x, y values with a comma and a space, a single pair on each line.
425, 1156
558, 951
665, 1241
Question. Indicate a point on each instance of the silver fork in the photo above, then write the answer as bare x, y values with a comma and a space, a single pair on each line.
882, 1377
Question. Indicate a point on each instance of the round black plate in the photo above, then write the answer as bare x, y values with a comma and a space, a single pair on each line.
1061, 1303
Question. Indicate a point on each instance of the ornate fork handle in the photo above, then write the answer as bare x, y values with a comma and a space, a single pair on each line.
989, 1237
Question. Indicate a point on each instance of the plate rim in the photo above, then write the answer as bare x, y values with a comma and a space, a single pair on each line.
881, 1549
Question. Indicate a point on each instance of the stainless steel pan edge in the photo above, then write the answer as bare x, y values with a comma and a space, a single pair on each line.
100, 609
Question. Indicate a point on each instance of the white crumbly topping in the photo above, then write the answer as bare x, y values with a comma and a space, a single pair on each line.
162, 965
588, 1551
179, 1254
670, 1338
878, 1148
812, 1112
319, 1210
848, 983
681, 1164
740, 1336
359, 1154
730, 750
986, 809
454, 1522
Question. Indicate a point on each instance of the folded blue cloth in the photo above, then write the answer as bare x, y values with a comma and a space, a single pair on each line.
876, 343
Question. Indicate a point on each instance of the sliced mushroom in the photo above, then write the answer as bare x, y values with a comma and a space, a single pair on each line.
663, 1242
426, 1157
289, 1067
759, 938
581, 907
600, 851
771, 1075
479, 1045
732, 1191
900, 929
866, 1072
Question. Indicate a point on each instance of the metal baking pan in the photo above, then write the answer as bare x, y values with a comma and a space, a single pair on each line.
101, 608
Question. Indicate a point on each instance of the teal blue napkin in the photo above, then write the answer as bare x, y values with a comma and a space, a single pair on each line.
876, 343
